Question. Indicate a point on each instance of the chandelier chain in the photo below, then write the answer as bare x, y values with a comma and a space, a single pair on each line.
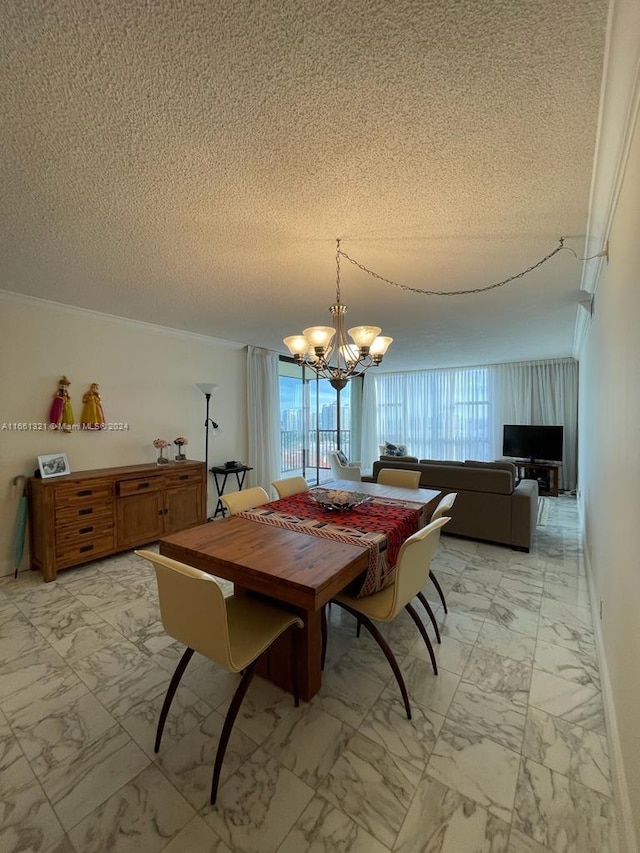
406, 287
338, 253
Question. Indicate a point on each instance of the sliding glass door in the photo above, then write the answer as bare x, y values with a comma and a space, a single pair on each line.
315, 419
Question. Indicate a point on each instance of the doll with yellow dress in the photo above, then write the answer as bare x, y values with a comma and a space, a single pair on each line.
61, 413
92, 412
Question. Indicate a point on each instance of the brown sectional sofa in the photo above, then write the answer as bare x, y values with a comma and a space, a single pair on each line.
491, 504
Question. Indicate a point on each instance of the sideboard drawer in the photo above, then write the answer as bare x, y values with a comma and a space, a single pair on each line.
84, 531
84, 551
179, 478
139, 485
83, 493
84, 512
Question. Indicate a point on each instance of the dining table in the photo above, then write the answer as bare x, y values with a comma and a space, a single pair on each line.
300, 555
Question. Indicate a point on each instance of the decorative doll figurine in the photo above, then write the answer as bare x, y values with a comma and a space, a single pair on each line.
92, 413
61, 413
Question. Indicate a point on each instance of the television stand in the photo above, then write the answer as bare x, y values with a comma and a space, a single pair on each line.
546, 473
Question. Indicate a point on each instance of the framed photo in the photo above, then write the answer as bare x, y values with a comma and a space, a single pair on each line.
53, 465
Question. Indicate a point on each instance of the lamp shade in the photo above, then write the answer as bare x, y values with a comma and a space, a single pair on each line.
381, 344
297, 344
319, 336
364, 336
206, 387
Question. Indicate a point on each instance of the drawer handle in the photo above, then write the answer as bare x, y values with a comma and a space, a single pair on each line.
143, 485
86, 529
183, 477
85, 492
86, 548
86, 511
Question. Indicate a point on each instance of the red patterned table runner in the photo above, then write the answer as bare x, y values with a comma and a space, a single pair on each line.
381, 525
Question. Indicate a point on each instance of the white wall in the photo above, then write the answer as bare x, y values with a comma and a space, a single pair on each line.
609, 466
147, 376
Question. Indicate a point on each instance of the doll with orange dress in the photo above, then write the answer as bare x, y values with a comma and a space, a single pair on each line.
92, 412
61, 413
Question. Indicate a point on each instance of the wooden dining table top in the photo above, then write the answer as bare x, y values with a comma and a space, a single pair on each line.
288, 565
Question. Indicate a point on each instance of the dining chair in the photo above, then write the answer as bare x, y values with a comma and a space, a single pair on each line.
399, 477
384, 606
233, 632
443, 508
290, 486
236, 502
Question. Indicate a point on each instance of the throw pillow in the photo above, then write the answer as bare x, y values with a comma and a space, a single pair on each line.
393, 449
342, 459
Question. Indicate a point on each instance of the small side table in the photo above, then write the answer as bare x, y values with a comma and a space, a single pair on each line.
239, 470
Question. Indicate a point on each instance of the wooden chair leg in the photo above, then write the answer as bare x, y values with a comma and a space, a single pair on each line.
230, 719
324, 630
425, 636
427, 607
168, 699
438, 587
380, 640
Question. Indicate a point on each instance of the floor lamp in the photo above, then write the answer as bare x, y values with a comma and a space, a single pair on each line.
207, 388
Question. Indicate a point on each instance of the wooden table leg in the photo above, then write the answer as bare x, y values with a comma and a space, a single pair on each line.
275, 666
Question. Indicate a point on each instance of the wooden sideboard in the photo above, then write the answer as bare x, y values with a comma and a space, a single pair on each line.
80, 517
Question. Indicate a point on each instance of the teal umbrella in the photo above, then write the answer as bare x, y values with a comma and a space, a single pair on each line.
21, 524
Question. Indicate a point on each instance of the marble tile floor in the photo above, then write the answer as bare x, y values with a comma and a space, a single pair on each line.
506, 751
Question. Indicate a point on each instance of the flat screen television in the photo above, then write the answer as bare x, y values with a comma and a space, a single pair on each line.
534, 443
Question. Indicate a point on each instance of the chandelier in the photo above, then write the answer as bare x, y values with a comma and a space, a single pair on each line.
328, 352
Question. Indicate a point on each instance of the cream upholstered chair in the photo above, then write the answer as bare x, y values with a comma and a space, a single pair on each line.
384, 606
290, 486
399, 477
344, 471
234, 632
248, 498
443, 508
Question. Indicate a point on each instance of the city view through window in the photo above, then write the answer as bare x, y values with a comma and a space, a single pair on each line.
309, 426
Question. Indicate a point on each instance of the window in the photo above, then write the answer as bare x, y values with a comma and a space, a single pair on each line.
311, 411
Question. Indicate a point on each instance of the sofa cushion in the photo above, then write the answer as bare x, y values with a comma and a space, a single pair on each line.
439, 462
495, 466
342, 459
401, 459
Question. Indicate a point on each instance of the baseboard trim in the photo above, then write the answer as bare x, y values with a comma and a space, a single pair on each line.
627, 839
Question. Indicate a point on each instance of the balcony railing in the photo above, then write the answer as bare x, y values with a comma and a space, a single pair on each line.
302, 450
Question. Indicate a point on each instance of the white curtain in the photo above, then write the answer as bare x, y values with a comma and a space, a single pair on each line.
459, 413
263, 411
438, 414
538, 392
369, 432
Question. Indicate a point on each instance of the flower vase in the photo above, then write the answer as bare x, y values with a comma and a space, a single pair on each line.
161, 459
180, 456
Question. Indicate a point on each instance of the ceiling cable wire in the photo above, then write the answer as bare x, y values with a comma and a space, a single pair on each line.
406, 287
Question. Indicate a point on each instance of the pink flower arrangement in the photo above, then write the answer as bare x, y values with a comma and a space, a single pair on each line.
180, 441
160, 443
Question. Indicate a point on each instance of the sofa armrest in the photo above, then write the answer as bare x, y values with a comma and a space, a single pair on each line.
524, 514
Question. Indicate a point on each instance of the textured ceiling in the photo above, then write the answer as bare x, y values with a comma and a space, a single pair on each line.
191, 164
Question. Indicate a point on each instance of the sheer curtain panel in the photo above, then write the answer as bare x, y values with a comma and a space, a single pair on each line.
538, 392
263, 409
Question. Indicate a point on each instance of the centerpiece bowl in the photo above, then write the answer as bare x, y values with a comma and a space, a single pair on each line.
338, 499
